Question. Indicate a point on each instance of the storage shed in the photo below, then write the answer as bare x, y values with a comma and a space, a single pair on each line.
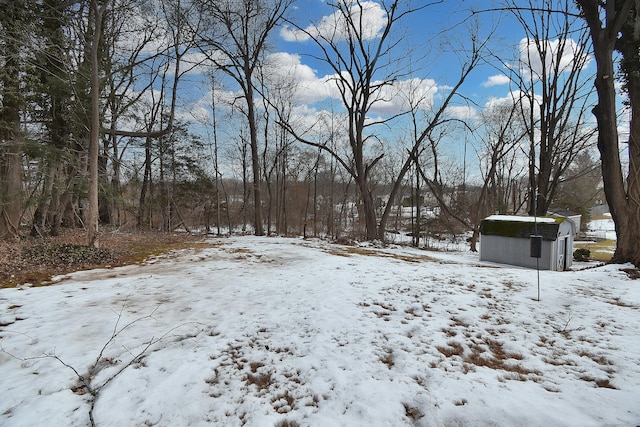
507, 239
570, 215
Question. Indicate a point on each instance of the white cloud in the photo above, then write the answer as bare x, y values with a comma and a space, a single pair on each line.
196, 62
495, 102
498, 106
142, 30
403, 95
197, 111
531, 63
303, 86
496, 80
286, 72
463, 112
334, 27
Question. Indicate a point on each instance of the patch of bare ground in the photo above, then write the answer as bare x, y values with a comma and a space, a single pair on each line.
347, 251
489, 353
37, 260
633, 273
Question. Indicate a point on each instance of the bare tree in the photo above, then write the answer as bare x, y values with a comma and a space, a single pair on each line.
53, 71
79, 60
98, 10
132, 50
424, 131
503, 133
361, 58
552, 80
615, 25
236, 42
175, 46
277, 90
581, 186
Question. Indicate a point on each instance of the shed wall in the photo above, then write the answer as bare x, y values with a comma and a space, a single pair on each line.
514, 251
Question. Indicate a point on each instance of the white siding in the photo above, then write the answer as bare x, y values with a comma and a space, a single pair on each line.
514, 251
517, 250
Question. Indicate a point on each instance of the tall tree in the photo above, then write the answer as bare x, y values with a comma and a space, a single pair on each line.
503, 134
359, 43
155, 103
54, 98
127, 44
236, 44
615, 25
13, 21
580, 187
98, 11
171, 48
359, 54
551, 75
425, 130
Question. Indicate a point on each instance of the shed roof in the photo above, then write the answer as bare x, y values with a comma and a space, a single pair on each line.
563, 212
521, 226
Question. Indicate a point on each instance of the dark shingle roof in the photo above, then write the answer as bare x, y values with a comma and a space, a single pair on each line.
520, 229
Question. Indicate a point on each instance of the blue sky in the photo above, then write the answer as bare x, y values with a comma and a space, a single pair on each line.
439, 33
432, 40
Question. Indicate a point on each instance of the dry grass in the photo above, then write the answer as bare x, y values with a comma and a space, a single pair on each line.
240, 251
36, 260
385, 306
599, 382
605, 383
456, 321
489, 353
453, 348
356, 250
600, 251
597, 358
261, 381
618, 301
387, 358
283, 402
449, 332
412, 312
287, 423
254, 366
412, 412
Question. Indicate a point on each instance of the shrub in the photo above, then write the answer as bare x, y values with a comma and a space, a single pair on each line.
66, 254
581, 254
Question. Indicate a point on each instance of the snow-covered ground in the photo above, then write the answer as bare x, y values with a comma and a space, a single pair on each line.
274, 331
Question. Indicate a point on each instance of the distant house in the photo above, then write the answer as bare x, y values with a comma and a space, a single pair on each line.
600, 209
507, 239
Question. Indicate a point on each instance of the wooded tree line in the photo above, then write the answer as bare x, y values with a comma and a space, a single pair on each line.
98, 123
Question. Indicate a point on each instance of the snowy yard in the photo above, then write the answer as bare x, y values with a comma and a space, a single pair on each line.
273, 331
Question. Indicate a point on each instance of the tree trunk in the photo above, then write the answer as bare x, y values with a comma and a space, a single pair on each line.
143, 206
255, 162
628, 246
11, 190
368, 209
10, 149
623, 202
94, 136
245, 185
104, 197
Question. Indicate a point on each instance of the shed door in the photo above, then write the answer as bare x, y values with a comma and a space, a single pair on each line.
562, 248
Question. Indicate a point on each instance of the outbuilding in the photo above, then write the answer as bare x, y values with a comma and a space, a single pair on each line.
570, 215
507, 239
